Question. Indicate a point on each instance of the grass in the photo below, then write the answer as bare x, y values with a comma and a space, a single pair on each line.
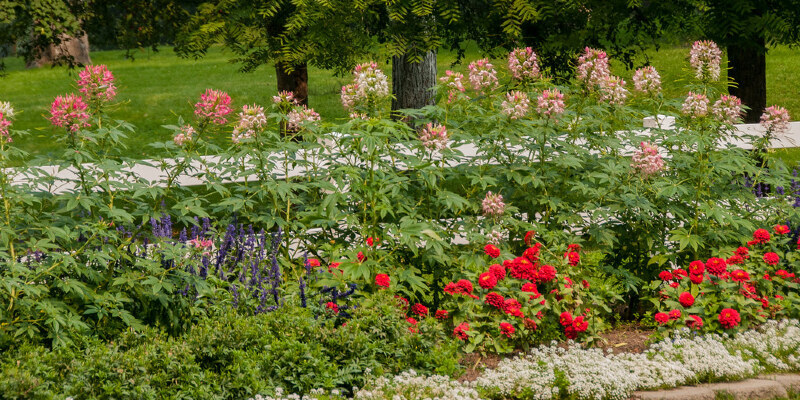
158, 87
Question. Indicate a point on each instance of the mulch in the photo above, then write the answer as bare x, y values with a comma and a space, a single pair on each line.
625, 338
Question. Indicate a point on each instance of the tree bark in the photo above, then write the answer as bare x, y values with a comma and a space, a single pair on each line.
71, 50
748, 69
295, 81
412, 83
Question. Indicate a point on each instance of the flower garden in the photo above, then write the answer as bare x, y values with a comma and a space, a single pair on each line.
519, 218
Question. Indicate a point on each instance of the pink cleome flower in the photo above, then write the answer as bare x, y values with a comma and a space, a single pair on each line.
647, 161
593, 68
522, 64
493, 205
213, 106
516, 104
775, 119
434, 136
301, 116
454, 82
550, 103
612, 90
97, 82
705, 58
285, 98
647, 80
482, 75
185, 135
69, 111
728, 109
695, 105
251, 120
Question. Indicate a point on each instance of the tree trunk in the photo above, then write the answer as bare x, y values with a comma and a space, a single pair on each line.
748, 69
295, 81
71, 50
412, 83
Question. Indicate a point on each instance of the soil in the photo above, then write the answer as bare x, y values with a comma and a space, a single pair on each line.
627, 338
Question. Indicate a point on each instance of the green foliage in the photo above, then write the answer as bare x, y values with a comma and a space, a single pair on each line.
230, 356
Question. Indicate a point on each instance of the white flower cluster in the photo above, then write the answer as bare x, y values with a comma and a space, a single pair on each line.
410, 386
775, 344
706, 356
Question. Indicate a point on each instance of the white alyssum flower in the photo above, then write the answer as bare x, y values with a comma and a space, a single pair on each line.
410, 386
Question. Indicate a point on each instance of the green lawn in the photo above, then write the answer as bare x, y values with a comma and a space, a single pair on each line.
157, 87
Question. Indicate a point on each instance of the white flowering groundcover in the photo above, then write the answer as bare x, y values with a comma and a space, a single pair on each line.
553, 372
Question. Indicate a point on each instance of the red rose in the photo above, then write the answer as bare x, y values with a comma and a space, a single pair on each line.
529, 236
506, 329
696, 279
665, 276
697, 267
565, 319
716, 266
495, 300
420, 310
694, 322
781, 229
761, 236
512, 307
573, 258
771, 258
686, 299
532, 253
461, 331
487, 280
332, 306
498, 271
491, 250
675, 314
441, 314
580, 324
729, 318
740, 276
661, 318
382, 280
546, 274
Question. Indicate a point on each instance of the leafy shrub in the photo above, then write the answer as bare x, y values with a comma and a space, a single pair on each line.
736, 289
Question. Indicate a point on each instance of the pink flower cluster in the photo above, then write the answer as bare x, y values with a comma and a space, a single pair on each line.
213, 106
613, 90
301, 116
493, 205
69, 111
775, 119
705, 58
6, 113
647, 161
369, 84
593, 69
185, 135
728, 109
454, 82
251, 119
695, 105
434, 136
284, 99
516, 104
97, 83
550, 103
647, 80
482, 75
522, 63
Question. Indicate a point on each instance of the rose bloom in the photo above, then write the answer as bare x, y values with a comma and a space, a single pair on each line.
382, 280
487, 280
507, 329
491, 251
420, 310
686, 299
729, 318
771, 258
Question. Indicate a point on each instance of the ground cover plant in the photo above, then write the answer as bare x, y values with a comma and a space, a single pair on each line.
515, 212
